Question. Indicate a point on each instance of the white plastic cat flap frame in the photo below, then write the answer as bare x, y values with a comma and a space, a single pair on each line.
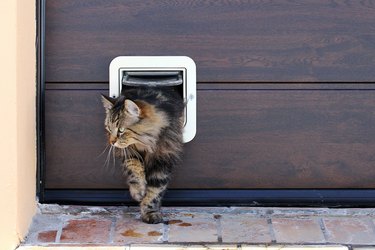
173, 71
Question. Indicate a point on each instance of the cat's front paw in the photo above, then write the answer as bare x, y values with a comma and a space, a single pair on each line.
152, 218
137, 192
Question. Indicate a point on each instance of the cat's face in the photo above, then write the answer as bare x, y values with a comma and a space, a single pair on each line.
121, 115
132, 123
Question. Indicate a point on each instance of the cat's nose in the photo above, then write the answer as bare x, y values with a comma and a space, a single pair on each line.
112, 140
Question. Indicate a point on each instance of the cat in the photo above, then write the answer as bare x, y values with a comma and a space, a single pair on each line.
144, 125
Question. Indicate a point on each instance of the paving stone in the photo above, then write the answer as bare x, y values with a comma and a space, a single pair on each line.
47, 236
194, 227
130, 229
292, 247
73, 247
42, 228
349, 230
86, 231
293, 230
183, 247
245, 228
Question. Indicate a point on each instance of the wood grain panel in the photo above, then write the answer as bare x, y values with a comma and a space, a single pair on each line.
231, 41
247, 138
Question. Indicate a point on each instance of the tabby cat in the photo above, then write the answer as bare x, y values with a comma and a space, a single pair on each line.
144, 127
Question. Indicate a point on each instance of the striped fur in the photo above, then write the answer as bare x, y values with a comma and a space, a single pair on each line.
145, 126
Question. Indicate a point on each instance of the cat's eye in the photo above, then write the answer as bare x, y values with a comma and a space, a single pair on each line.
121, 130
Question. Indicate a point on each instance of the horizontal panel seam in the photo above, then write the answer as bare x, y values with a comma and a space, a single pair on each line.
232, 82
217, 89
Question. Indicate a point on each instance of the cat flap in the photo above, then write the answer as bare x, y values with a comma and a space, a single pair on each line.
152, 78
178, 72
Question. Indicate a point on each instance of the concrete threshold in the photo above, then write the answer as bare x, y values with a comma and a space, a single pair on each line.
193, 247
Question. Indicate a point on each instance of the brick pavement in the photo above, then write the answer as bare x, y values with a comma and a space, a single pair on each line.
59, 226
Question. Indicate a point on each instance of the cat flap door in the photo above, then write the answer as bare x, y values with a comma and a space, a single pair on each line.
171, 71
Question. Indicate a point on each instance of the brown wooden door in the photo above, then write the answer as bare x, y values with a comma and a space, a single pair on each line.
286, 98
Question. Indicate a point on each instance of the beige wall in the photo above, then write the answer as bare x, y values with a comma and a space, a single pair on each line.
17, 124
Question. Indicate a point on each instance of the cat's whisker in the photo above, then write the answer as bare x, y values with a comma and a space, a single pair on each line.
130, 153
137, 155
105, 149
108, 159
114, 156
124, 160
125, 154
140, 158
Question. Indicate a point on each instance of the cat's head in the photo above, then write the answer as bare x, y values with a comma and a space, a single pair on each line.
132, 122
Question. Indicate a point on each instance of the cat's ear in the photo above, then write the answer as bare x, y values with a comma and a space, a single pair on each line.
108, 102
132, 108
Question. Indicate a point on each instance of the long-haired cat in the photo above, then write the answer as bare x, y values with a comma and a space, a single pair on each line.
144, 125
